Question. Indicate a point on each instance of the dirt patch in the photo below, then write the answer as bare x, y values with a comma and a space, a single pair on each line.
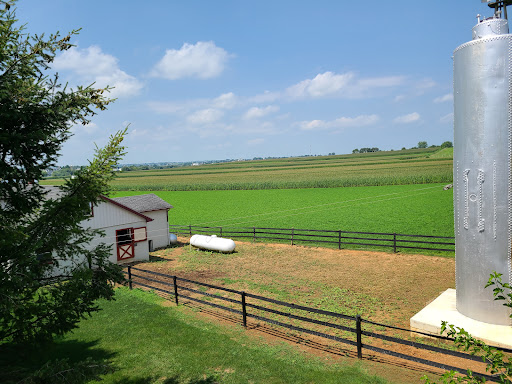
397, 285
383, 287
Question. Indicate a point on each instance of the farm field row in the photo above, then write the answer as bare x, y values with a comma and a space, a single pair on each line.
410, 209
370, 169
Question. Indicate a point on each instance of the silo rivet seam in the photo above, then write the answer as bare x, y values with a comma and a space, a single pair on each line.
494, 201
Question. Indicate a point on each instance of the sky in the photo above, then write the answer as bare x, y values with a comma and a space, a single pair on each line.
233, 79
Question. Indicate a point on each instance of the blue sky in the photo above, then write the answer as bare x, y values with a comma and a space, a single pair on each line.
202, 80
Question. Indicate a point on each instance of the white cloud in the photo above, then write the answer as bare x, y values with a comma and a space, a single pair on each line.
313, 124
205, 116
323, 84
380, 82
265, 97
342, 122
203, 60
138, 133
406, 119
345, 85
398, 98
166, 107
425, 84
92, 65
444, 98
225, 101
358, 121
447, 118
88, 128
256, 112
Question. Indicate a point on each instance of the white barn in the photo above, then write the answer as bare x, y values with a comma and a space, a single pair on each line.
156, 209
133, 225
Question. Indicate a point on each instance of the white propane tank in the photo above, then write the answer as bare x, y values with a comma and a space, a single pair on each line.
213, 243
173, 239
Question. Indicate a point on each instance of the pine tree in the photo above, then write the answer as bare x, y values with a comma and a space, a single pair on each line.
37, 235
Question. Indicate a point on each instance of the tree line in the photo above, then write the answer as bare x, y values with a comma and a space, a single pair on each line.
421, 144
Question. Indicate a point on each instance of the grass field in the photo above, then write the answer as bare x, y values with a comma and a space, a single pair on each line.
410, 209
419, 166
145, 342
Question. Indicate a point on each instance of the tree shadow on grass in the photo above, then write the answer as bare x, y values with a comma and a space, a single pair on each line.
79, 361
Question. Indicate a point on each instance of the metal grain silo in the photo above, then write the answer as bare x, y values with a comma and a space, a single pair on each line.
482, 167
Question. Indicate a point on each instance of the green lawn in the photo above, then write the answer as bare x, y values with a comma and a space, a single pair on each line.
410, 209
145, 342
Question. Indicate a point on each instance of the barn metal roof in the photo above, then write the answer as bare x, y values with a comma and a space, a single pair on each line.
52, 192
143, 203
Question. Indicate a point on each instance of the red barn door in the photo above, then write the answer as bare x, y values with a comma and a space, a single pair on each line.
125, 248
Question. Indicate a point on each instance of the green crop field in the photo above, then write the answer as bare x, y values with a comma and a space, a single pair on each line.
419, 166
395, 191
424, 209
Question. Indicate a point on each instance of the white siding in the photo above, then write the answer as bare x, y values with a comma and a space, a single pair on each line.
141, 249
158, 229
107, 214
110, 218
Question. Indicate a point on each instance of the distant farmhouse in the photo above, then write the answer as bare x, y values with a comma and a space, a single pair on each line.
134, 225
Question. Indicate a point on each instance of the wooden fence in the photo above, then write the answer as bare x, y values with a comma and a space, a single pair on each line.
350, 330
334, 238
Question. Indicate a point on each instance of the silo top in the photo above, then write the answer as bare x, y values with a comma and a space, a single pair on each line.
490, 27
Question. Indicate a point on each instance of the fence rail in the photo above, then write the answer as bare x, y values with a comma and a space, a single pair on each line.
338, 238
175, 287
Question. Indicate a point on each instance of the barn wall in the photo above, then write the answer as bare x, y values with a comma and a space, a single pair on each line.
109, 218
141, 249
107, 215
158, 229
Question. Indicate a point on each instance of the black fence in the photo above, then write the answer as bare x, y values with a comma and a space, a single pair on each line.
332, 238
350, 330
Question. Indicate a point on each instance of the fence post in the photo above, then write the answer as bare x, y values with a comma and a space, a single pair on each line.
358, 334
130, 277
175, 289
339, 239
394, 242
292, 235
190, 230
220, 231
253, 234
244, 311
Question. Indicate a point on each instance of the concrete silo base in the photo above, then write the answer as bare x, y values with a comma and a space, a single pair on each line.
443, 308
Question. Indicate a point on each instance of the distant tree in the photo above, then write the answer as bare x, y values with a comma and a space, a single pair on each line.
36, 116
447, 144
355, 150
403, 148
366, 150
422, 144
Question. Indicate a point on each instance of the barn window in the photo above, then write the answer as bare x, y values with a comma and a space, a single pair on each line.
124, 236
140, 234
